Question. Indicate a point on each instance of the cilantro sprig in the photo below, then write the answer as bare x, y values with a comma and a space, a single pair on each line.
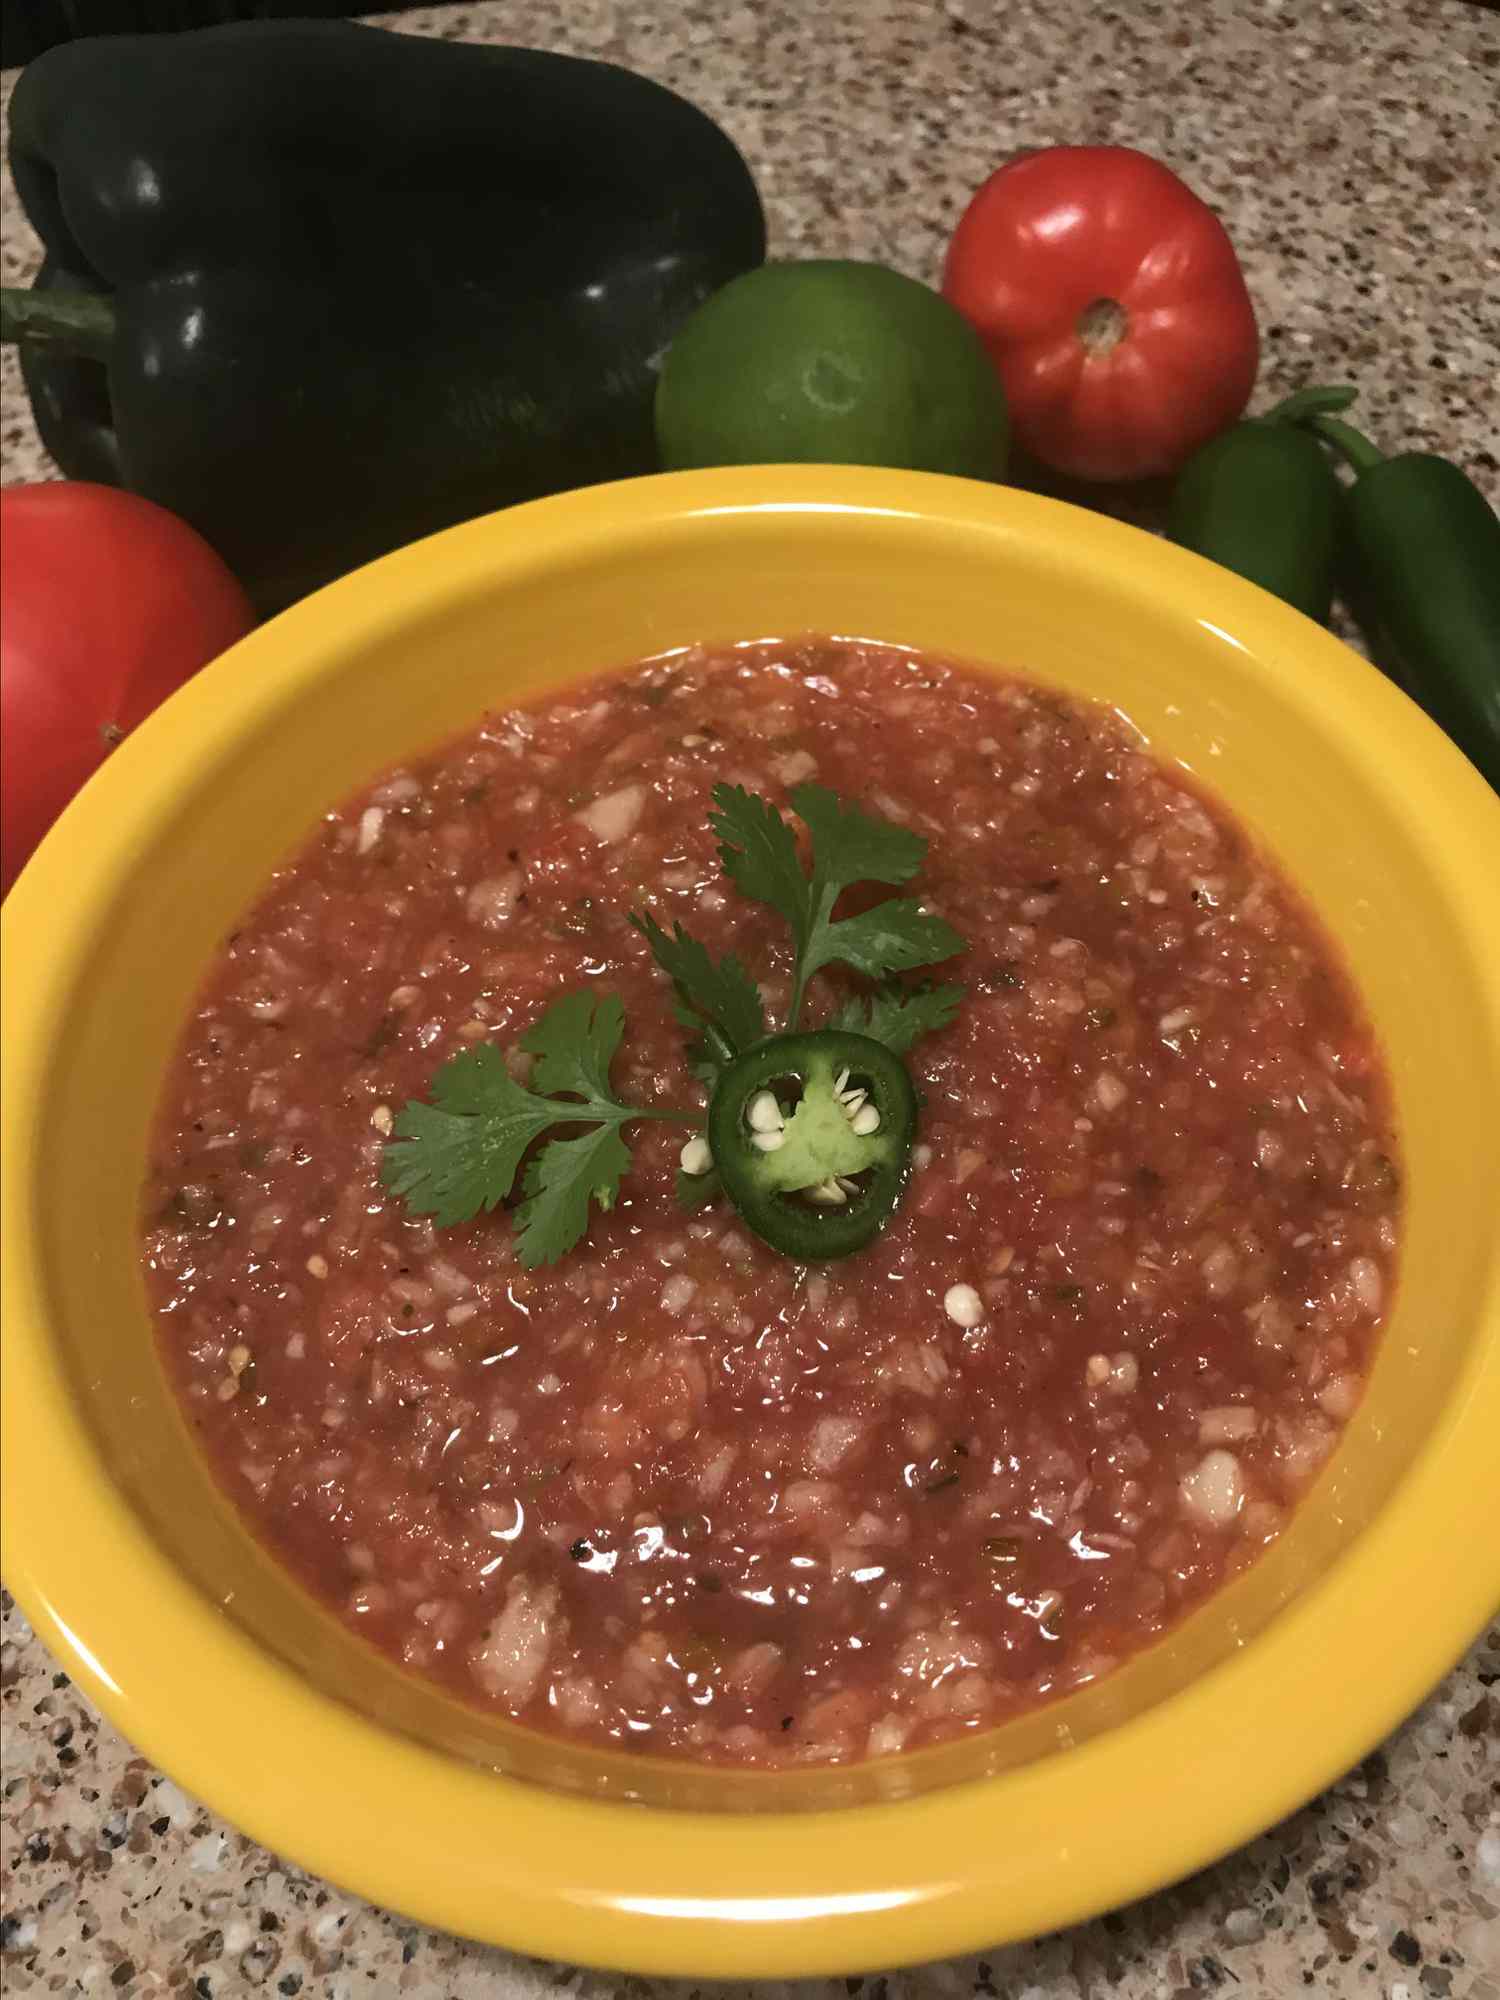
462, 1153
718, 1002
760, 856
900, 1017
458, 1156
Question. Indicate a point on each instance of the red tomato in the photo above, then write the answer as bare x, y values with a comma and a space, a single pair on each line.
107, 603
1112, 304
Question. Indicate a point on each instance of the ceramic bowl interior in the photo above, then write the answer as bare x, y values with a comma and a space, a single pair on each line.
144, 1582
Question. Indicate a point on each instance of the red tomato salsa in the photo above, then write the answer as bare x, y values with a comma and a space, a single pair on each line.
676, 1492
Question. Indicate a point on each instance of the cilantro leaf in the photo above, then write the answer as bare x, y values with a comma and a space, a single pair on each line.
710, 994
851, 845
759, 853
458, 1156
760, 856
893, 937
565, 1176
574, 1044
899, 1019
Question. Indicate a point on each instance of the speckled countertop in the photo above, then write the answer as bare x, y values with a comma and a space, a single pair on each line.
1350, 148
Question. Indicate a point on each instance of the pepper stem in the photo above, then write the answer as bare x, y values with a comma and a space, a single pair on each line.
1311, 402
1356, 450
81, 322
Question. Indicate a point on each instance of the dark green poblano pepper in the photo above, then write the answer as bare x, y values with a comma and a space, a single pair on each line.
321, 289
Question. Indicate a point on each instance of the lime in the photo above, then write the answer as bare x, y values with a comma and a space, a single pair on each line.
830, 363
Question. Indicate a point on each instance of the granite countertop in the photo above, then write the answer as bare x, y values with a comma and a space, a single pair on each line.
1349, 145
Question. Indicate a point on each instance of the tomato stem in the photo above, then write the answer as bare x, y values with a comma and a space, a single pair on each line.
1103, 325
81, 322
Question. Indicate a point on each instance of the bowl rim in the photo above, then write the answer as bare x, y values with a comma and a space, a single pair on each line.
671, 1892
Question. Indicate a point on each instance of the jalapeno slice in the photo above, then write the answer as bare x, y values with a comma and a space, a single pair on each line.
812, 1137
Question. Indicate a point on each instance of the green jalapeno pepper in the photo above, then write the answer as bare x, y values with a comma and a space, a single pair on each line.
1262, 499
1423, 548
812, 1135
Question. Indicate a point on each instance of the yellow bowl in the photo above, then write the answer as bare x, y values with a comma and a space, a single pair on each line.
144, 1584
